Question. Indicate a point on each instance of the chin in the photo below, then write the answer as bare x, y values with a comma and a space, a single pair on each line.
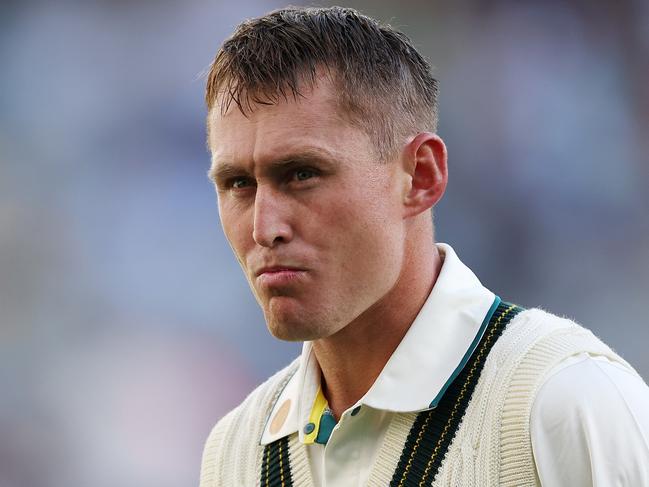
289, 320
296, 329
292, 331
284, 320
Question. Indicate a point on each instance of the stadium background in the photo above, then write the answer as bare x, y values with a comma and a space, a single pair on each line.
126, 327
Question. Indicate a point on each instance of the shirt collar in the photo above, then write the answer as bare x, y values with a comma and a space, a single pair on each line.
431, 354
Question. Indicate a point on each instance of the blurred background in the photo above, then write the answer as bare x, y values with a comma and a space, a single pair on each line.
126, 326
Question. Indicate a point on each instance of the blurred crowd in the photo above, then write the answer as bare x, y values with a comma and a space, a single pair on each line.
126, 327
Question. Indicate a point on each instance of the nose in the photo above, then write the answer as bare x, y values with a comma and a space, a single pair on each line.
271, 221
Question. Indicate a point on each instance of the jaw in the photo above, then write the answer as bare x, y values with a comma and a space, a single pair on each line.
288, 319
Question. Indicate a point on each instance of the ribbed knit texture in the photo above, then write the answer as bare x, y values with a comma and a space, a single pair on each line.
434, 430
492, 446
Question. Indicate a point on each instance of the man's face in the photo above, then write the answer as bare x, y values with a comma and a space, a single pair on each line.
314, 219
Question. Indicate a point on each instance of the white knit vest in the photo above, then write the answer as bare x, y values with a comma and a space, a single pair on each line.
492, 446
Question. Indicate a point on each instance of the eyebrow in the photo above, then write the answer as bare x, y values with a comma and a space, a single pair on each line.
221, 171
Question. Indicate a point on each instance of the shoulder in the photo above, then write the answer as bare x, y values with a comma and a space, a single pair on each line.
234, 440
538, 345
535, 398
550, 338
583, 385
590, 424
542, 322
528, 327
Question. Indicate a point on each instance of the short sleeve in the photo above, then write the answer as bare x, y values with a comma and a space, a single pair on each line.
589, 425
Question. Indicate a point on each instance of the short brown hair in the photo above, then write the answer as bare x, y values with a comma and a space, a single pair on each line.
386, 87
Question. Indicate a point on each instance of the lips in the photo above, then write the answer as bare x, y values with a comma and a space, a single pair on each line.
280, 277
276, 269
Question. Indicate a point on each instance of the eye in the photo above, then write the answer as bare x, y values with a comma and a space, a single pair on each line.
240, 183
304, 174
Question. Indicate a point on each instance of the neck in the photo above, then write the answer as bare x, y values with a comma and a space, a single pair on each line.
353, 358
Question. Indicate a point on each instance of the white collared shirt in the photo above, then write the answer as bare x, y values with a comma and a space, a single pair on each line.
435, 348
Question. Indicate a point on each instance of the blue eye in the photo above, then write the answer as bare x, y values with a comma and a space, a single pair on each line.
304, 174
240, 183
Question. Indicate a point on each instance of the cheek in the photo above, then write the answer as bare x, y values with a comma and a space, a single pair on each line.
235, 227
365, 233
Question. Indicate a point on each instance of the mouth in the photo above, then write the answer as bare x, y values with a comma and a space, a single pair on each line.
279, 276
277, 269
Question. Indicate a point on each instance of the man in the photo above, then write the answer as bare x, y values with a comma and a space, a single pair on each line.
321, 125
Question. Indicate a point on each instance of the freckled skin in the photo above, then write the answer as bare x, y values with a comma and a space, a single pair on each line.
341, 221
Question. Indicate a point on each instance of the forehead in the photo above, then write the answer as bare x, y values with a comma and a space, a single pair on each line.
310, 121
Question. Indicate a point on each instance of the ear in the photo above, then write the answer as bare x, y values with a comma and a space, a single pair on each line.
424, 159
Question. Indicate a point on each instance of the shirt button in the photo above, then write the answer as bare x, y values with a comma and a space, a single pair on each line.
356, 410
308, 429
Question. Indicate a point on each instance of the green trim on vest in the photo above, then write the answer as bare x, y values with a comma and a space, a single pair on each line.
469, 352
433, 430
276, 468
